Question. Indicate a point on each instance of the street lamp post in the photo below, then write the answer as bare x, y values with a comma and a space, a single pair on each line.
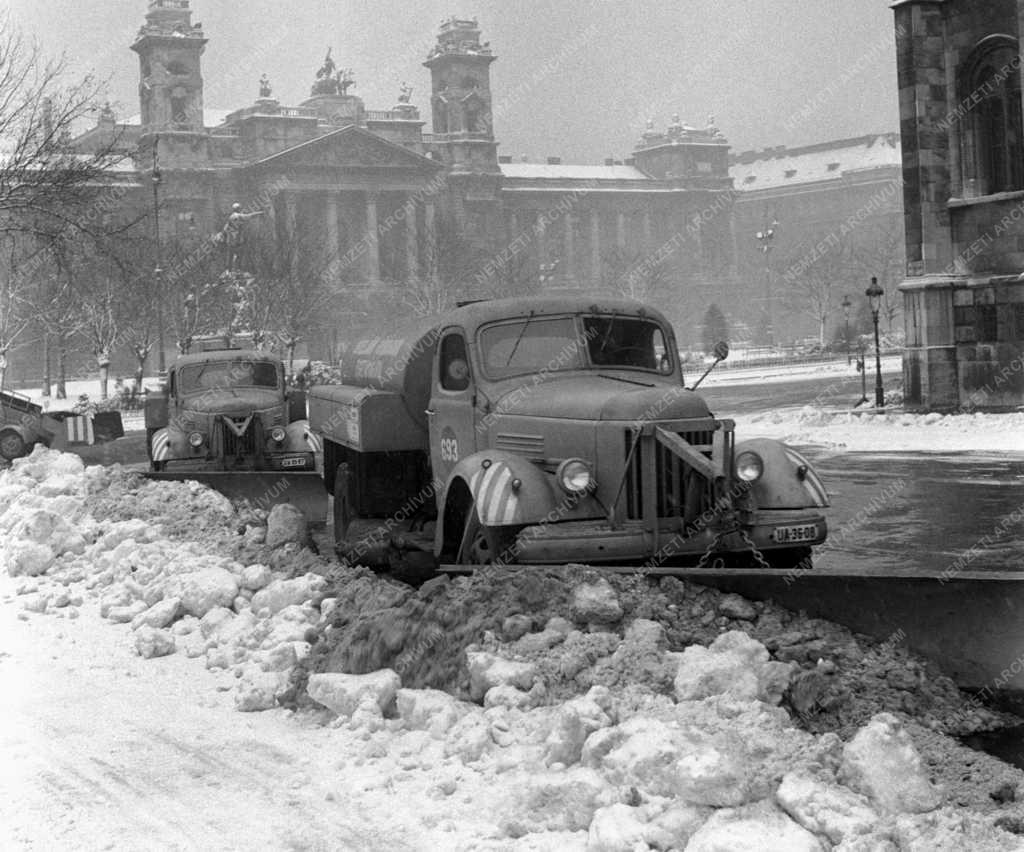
765, 238
846, 305
157, 270
874, 294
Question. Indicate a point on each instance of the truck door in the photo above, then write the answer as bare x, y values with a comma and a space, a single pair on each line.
451, 413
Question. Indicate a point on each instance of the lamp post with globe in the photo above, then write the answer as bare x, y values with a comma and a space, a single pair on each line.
874, 294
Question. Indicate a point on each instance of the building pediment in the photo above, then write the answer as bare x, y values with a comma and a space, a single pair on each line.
347, 148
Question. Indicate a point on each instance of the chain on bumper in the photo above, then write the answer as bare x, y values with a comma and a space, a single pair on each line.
728, 525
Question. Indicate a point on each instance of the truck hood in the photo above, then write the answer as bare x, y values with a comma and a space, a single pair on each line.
234, 403
602, 398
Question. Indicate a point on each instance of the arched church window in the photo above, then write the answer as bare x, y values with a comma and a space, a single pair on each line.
992, 131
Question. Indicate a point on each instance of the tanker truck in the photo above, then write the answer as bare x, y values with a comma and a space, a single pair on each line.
226, 418
546, 431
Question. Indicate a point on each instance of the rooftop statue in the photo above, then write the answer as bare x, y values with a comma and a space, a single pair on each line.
345, 80
406, 94
265, 90
326, 84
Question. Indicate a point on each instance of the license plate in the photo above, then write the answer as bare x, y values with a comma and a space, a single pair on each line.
786, 535
293, 462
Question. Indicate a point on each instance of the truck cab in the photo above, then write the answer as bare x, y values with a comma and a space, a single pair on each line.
553, 430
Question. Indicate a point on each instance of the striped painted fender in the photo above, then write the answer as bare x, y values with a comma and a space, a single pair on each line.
490, 476
161, 445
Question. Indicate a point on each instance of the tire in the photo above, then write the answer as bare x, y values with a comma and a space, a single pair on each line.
342, 511
483, 545
12, 445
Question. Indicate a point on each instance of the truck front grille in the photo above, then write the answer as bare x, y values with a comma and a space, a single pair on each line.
679, 490
238, 445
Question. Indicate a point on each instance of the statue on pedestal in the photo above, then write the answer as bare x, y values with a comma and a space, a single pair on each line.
325, 83
406, 94
265, 90
233, 233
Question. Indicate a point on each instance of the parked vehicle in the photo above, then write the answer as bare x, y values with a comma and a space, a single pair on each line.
546, 431
23, 425
226, 418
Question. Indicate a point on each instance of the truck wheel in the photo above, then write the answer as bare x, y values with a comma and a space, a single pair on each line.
342, 514
483, 545
12, 445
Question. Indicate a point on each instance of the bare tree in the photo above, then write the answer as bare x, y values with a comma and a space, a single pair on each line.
882, 253
15, 300
44, 183
816, 281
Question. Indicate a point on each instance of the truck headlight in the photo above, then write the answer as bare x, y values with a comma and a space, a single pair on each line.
575, 476
277, 434
195, 439
749, 466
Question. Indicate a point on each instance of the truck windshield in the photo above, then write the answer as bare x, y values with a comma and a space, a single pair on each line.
227, 374
532, 345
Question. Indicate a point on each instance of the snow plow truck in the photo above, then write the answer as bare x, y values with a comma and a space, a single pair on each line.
226, 418
546, 431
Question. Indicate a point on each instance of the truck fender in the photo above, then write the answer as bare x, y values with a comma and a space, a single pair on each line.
160, 445
302, 439
19, 441
486, 478
788, 481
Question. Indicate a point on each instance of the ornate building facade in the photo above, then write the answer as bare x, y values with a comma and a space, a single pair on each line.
395, 204
963, 166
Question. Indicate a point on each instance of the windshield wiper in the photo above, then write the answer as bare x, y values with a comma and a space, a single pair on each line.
628, 381
519, 339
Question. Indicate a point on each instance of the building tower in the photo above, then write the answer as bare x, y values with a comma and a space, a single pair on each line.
170, 48
461, 98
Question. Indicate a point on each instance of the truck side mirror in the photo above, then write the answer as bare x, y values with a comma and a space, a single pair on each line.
721, 350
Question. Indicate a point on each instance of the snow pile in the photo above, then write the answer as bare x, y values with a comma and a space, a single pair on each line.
527, 710
882, 432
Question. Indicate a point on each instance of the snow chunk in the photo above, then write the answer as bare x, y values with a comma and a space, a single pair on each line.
160, 615
487, 670
429, 710
734, 665
596, 602
286, 524
760, 826
828, 809
343, 693
284, 593
882, 763
27, 558
256, 577
617, 828
150, 642
203, 590
258, 690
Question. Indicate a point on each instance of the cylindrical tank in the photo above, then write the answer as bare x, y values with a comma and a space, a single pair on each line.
398, 360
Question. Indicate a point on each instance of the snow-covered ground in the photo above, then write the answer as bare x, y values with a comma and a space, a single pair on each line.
740, 375
135, 625
868, 431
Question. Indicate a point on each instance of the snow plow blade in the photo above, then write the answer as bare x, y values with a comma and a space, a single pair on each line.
264, 489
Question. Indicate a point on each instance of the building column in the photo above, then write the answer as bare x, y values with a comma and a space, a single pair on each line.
291, 214
372, 264
568, 247
595, 245
620, 231
412, 242
430, 238
333, 240
648, 238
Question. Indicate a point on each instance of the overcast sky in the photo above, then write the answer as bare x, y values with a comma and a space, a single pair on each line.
574, 78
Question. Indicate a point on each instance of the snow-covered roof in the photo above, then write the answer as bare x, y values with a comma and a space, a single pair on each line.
781, 167
211, 118
571, 172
